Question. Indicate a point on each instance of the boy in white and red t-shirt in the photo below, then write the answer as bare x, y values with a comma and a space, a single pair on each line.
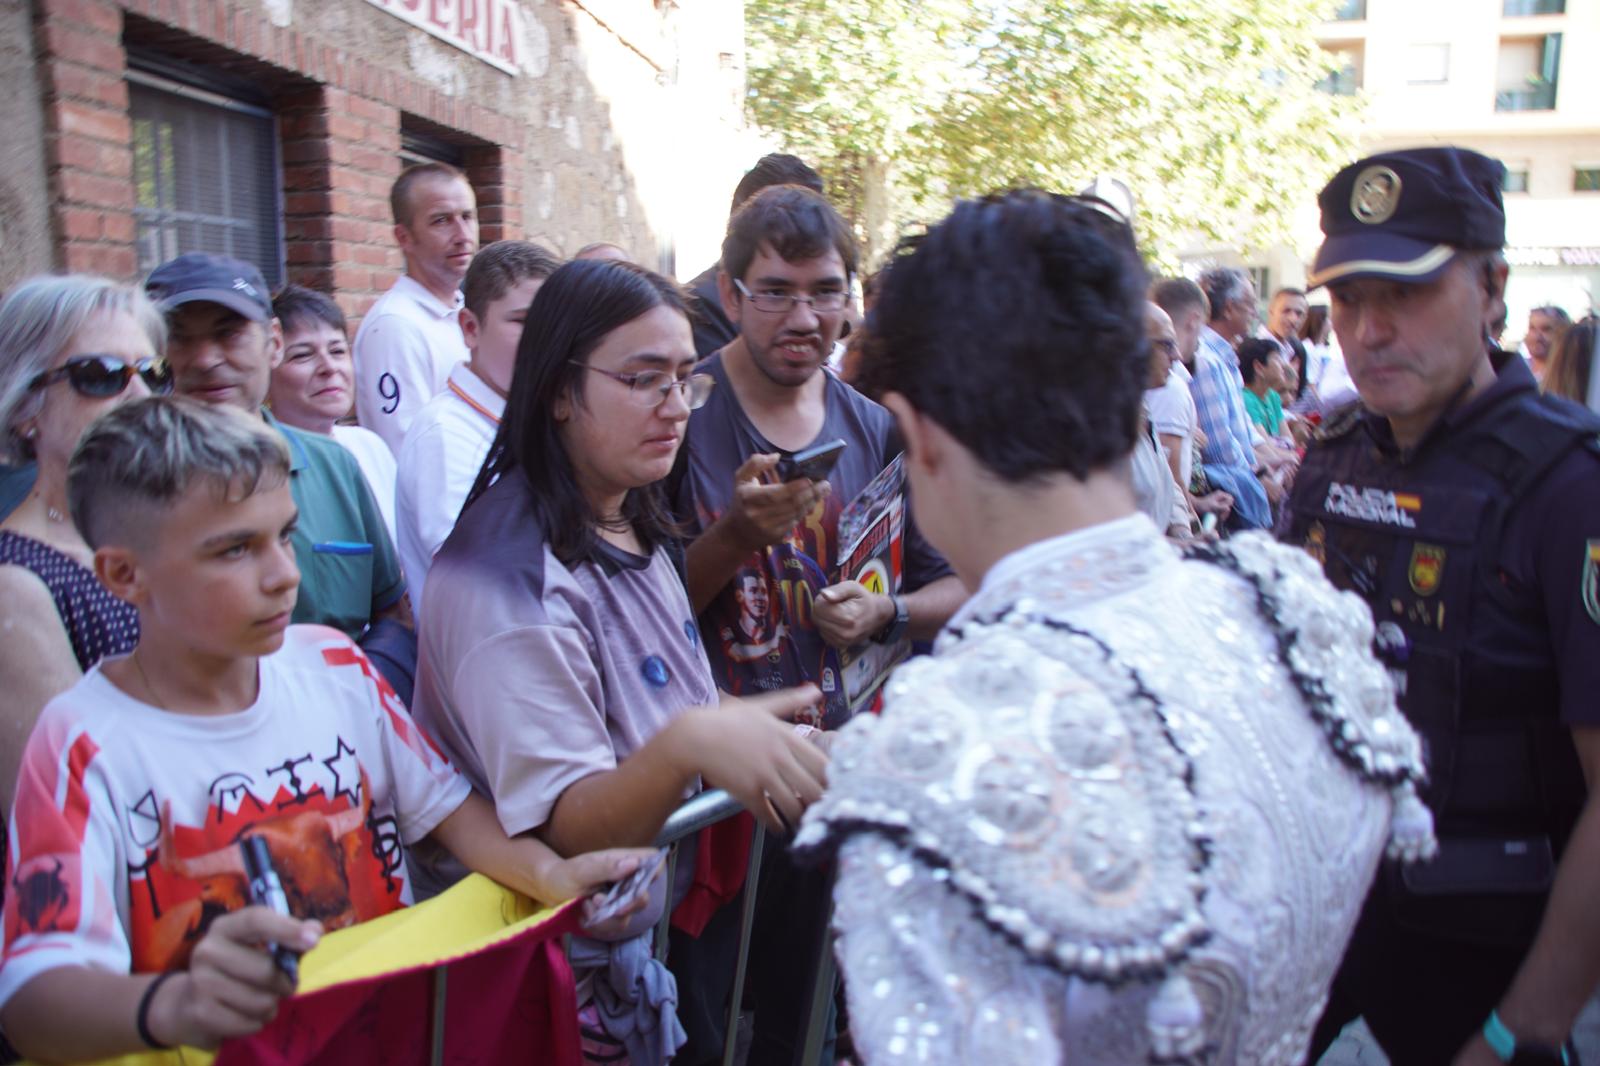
125, 919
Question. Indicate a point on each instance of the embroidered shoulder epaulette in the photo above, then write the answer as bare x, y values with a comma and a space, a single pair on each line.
1340, 421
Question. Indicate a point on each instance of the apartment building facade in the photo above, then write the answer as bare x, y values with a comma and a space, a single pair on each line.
1515, 79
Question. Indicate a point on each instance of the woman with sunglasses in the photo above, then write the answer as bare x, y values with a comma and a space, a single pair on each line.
71, 348
561, 667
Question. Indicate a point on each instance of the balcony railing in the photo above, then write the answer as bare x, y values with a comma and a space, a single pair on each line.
1518, 8
1535, 98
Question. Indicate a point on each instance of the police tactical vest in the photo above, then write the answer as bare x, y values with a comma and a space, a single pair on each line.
1418, 538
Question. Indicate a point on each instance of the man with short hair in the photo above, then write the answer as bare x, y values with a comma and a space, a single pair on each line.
1286, 313
1171, 408
1229, 452
1107, 822
410, 340
1155, 485
787, 265
1545, 326
223, 342
451, 435
712, 326
1461, 505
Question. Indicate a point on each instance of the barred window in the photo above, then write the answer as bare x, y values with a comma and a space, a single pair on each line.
206, 176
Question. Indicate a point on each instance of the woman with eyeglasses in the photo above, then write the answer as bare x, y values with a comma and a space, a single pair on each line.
561, 668
71, 348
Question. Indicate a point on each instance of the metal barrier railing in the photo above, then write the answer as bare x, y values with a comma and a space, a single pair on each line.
700, 812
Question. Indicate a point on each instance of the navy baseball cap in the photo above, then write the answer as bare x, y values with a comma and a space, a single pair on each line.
1404, 215
198, 277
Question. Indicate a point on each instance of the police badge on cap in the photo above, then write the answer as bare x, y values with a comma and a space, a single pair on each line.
1404, 215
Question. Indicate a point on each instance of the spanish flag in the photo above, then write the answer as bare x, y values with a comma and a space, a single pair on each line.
370, 993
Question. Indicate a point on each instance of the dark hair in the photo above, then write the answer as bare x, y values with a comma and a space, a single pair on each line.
580, 303
797, 222
1254, 353
1572, 361
296, 306
1316, 321
1018, 325
1563, 320
400, 191
776, 168
502, 266
1174, 295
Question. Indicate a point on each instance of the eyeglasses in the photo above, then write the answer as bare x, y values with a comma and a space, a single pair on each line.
102, 376
781, 303
649, 388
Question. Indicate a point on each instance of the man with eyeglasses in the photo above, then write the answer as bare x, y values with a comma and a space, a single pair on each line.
223, 342
712, 327
1155, 490
787, 265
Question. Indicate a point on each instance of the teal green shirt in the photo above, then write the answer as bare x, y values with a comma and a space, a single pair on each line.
15, 484
1269, 414
349, 569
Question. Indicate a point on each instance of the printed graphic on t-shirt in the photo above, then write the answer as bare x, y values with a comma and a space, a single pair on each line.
761, 623
338, 863
131, 838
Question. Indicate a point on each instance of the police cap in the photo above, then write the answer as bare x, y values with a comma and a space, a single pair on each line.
1404, 215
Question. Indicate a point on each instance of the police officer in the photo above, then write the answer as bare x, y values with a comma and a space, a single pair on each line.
1464, 507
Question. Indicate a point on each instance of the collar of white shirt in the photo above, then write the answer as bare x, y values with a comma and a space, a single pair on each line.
1091, 546
410, 286
477, 390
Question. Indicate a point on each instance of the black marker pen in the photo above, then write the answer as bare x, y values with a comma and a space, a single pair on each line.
267, 890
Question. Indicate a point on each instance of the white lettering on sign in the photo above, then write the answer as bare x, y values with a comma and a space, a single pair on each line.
1571, 256
487, 29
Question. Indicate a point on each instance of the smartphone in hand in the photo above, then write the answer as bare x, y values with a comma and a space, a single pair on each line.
816, 462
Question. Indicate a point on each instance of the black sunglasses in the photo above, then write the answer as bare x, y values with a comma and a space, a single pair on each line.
100, 376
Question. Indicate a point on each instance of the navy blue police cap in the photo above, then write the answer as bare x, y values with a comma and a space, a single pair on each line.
1404, 215
196, 277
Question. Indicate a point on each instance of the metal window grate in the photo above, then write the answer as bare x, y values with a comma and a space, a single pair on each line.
206, 177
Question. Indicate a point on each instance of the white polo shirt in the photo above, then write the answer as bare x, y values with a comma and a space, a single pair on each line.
444, 448
1171, 411
376, 462
403, 353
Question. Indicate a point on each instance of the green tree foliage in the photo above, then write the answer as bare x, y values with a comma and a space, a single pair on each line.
1206, 108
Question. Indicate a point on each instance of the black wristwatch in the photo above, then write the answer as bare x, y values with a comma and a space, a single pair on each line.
1537, 1055
896, 626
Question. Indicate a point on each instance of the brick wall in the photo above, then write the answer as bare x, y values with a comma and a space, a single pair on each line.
339, 115
88, 157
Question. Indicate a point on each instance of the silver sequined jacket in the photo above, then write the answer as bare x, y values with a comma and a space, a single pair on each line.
1128, 811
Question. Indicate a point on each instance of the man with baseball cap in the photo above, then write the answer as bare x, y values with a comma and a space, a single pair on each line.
222, 345
1464, 508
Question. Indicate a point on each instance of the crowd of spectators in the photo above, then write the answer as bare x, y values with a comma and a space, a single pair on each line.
538, 509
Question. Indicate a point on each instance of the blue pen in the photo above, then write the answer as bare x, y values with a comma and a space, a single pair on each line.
343, 547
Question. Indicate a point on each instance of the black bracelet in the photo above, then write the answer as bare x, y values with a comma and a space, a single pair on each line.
141, 1020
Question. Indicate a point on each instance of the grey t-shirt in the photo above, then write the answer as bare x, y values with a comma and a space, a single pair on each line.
758, 630
534, 674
